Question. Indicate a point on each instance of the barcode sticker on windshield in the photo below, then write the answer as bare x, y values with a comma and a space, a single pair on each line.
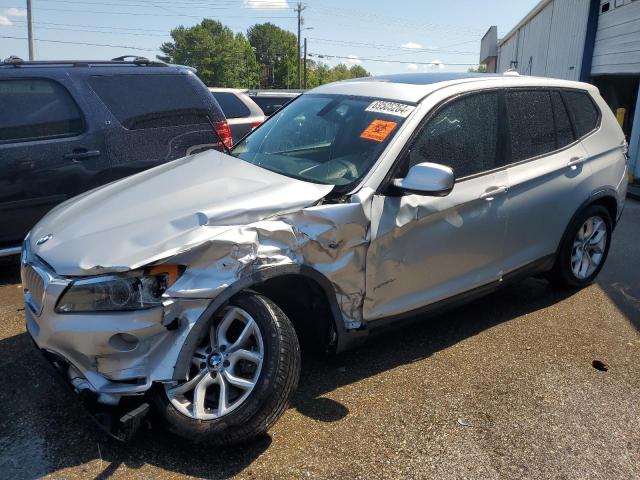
390, 108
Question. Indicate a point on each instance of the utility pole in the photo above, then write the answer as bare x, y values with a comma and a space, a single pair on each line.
299, 9
305, 63
30, 30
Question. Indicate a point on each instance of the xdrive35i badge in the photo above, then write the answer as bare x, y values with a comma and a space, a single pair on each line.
44, 239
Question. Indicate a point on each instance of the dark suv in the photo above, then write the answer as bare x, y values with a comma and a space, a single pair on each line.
70, 126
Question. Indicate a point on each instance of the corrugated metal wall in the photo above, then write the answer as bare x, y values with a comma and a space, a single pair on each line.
549, 44
617, 48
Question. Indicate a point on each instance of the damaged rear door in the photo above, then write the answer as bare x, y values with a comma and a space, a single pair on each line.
425, 249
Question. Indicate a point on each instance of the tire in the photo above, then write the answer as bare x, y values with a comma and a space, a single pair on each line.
564, 272
275, 377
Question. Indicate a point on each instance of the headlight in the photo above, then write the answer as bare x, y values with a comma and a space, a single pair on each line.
132, 291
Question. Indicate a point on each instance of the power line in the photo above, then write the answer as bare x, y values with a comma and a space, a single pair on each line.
82, 43
153, 14
391, 47
67, 29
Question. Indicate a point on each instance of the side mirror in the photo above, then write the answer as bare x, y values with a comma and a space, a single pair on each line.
427, 179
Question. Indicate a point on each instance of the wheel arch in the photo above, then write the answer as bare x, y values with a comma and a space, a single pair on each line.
604, 197
298, 280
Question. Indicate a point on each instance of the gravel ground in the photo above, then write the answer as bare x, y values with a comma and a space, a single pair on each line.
503, 387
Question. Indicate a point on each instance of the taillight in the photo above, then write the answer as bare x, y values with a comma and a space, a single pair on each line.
224, 132
255, 124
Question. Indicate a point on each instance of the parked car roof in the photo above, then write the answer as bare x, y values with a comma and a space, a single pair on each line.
413, 87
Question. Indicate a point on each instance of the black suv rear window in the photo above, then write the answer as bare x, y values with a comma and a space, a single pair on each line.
33, 109
583, 112
152, 101
231, 105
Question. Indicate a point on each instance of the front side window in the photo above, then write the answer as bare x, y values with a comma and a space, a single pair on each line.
583, 112
463, 135
531, 123
36, 109
330, 139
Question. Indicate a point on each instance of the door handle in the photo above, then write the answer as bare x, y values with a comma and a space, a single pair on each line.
81, 154
575, 161
494, 192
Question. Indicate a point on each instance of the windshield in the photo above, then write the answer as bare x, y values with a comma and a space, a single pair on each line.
330, 139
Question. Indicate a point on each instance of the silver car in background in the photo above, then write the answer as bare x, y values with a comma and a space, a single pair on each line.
360, 204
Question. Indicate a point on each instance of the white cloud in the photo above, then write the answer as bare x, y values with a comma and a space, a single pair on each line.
413, 45
412, 67
436, 64
5, 22
353, 60
267, 4
16, 12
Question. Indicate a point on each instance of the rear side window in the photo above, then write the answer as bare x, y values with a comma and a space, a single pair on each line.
531, 123
35, 109
153, 101
564, 131
231, 105
583, 112
463, 135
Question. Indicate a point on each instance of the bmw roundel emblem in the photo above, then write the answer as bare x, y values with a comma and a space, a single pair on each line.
44, 239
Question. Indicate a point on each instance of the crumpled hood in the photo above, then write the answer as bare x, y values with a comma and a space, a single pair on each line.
164, 211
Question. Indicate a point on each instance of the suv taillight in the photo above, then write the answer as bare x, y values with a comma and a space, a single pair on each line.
224, 132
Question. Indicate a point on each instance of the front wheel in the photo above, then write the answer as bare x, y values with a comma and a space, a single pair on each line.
241, 378
584, 249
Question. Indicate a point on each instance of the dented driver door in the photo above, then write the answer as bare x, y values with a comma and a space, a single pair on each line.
426, 248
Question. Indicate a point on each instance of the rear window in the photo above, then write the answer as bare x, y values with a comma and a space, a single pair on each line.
231, 105
270, 104
33, 109
153, 101
583, 112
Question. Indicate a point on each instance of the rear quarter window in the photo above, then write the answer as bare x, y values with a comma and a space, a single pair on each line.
154, 101
231, 105
584, 114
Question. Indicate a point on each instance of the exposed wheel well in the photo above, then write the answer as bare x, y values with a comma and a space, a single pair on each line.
305, 302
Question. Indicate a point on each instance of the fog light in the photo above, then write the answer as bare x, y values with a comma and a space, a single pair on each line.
124, 342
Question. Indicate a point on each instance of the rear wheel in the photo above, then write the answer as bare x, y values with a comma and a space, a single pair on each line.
584, 248
241, 378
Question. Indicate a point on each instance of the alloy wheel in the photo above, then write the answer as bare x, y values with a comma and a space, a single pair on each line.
588, 247
225, 368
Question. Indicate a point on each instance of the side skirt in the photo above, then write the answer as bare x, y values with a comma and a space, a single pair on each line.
383, 325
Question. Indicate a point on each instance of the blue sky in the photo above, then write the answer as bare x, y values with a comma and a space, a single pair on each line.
425, 35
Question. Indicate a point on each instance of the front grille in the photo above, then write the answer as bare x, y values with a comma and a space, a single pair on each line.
33, 285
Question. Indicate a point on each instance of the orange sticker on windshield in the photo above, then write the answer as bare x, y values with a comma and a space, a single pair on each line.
378, 130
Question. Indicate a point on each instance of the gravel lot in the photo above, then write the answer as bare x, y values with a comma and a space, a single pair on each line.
503, 387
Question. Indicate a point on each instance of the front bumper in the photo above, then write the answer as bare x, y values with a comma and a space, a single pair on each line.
110, 354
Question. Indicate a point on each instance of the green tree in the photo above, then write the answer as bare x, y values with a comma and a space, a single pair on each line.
482, 68
222, 58
277, 50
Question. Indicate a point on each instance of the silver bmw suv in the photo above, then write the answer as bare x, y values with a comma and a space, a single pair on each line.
191, 285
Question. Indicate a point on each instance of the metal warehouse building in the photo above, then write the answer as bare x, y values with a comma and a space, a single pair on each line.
595, 41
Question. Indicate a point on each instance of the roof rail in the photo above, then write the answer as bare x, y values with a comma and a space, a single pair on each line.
140, 61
